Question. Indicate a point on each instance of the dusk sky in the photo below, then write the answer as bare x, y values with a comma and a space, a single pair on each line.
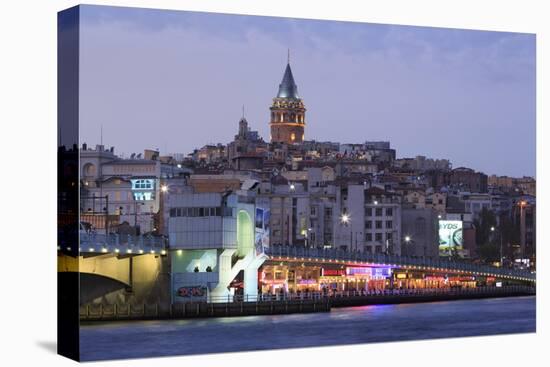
177, 80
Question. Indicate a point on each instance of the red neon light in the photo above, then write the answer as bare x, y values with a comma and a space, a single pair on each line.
333, 272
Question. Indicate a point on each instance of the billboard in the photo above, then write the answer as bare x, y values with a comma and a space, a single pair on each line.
261, 221
450, 236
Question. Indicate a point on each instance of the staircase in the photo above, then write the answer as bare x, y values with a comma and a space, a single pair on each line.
249, 264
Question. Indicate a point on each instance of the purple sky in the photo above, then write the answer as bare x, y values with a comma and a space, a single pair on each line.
177, 80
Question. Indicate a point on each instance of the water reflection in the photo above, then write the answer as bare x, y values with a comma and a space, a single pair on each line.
340, 326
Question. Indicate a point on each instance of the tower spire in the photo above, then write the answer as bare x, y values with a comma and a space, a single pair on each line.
288, 111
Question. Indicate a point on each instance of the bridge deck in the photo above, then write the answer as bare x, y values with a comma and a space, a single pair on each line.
327, 256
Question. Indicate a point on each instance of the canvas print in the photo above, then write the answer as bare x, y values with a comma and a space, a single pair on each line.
230, 183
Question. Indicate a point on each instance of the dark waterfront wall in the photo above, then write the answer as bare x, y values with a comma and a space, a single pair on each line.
317, 303
118, 312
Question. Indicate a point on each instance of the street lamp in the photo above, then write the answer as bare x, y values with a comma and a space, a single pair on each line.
408, 240
345, 220
164, 188
522, 205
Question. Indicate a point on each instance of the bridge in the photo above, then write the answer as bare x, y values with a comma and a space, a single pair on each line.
136, 268
117, 267
356, 258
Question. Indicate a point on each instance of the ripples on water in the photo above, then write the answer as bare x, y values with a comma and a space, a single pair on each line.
340, 326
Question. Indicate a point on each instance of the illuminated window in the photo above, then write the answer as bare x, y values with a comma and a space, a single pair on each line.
142, 184
303, 137
292, 136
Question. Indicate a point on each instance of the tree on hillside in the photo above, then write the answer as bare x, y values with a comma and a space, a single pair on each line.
483, 224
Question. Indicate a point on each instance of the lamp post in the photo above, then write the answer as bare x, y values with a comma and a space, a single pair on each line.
522, 205
159, 227
345, 220
408, 240
501, 256
500, 249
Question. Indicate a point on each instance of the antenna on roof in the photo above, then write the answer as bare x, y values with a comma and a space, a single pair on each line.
101, 135
243, 111
288, 57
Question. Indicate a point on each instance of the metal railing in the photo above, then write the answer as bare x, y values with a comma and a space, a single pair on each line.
125, 244
317, 254
197, 306
286, 296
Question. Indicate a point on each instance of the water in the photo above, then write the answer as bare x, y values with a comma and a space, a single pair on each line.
351, 325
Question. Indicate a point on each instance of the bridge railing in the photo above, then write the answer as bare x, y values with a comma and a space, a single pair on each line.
100, 242
388, 259
125, 311
269, 297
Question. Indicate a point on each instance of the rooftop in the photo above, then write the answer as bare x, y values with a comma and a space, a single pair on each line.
288, 88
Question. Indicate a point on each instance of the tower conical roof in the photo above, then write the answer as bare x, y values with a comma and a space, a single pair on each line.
288, 88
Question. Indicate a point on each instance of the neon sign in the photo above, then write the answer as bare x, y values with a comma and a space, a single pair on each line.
374, 272
332, 272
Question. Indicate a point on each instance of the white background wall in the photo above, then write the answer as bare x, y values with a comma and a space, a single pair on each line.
28, 74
